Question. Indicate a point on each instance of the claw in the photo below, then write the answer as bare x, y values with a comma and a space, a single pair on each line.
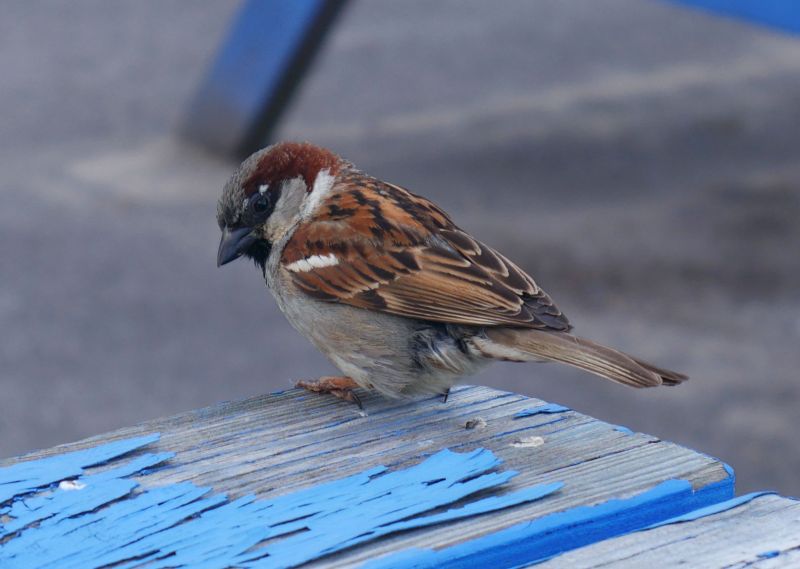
341, 387
353, 398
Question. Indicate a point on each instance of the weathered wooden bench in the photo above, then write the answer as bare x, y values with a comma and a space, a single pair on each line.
489, 479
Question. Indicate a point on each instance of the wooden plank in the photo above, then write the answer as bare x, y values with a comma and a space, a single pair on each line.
186, 525
259, 65
579, 479
758, 531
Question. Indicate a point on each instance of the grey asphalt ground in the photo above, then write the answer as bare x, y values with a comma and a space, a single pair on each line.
638, 158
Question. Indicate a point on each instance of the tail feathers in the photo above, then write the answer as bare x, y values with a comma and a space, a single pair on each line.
668, 377
527, 345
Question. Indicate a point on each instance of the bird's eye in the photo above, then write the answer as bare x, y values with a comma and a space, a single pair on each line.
261, 203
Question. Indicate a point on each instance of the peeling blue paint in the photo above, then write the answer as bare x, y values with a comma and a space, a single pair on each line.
107, 518
557, 533
91, 492
622, 429
710, 510
26, 477
769, 554
728, 468
530, 427
547, 409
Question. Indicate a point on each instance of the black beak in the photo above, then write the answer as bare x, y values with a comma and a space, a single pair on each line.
234, 243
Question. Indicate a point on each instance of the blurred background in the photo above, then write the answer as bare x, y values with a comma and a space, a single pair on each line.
639, 158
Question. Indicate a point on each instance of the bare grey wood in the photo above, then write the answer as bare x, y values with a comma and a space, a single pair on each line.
762, 533
274, 444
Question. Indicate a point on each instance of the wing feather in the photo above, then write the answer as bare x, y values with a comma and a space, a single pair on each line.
401, 254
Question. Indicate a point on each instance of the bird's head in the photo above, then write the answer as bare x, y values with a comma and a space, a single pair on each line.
269, 192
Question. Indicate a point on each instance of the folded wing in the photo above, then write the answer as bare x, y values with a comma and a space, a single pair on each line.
377, 246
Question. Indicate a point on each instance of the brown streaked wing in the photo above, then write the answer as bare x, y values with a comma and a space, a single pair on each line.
399, 253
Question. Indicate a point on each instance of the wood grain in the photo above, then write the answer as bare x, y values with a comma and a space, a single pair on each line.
761, 533
272, 445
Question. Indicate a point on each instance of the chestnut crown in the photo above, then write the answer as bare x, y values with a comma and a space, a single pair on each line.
251, 194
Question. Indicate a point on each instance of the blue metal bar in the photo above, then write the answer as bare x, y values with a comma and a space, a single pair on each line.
782, 14
261, 62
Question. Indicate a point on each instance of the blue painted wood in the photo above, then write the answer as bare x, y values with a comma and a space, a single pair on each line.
260, 63
757, 530
710, 510
551, 535
26, 477
71, 498
98, 519
523, 476
548, 409
781, 14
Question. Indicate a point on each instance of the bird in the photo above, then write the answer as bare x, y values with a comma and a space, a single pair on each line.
383, 282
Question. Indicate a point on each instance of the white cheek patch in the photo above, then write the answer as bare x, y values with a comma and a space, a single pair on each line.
322, 187
313, 262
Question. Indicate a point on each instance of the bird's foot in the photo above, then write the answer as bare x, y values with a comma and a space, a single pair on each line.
338, 386
445, 395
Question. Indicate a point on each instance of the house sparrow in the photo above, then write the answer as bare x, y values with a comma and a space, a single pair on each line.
384, 284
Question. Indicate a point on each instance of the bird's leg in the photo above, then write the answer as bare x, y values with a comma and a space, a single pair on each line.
445, 395
339, 386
